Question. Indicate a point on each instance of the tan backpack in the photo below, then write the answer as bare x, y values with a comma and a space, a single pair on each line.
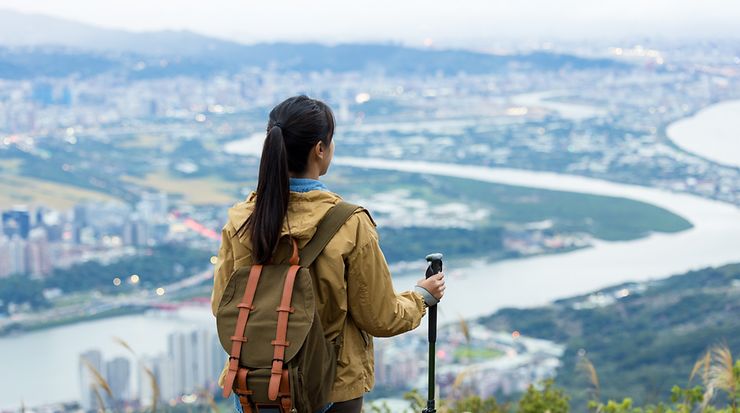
279, 359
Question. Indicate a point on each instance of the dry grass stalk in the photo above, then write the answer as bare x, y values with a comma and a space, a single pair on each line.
718, 373
152, 378
465, 330
702, 365
124, 344
587, 367
153, 385
99, 398
99, 379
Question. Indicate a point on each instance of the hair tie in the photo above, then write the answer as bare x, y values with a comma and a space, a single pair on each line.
278, 124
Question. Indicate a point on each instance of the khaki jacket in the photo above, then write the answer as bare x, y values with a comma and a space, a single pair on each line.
353, 285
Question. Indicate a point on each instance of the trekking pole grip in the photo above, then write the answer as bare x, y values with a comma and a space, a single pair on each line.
435, 267
435, 264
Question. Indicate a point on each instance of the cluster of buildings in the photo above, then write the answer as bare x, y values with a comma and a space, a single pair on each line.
471, 359
35, 241
539, 237
190, 367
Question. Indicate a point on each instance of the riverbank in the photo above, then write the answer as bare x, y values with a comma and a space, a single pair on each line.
61, 316
711, 133
15, 329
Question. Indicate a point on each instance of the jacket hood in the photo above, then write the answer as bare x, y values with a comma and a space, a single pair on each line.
305, 210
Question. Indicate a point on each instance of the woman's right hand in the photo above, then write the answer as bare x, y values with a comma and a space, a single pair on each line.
434, 284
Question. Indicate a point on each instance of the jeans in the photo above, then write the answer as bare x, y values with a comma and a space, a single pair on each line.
237, 404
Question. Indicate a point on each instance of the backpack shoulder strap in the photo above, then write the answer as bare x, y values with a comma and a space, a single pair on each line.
329, 225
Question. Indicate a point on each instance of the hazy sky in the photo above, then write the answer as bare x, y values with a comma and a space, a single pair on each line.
408, 21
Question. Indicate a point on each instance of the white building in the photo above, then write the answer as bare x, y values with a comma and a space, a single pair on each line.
91, 359
118, 376
163, 372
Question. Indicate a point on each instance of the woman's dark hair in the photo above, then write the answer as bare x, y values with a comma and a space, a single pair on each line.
295, 126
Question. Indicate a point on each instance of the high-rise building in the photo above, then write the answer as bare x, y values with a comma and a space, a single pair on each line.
162, 371
39, 253
186, 350
5, 256
135, 232
218, 358
90, 360
79, 222
153, 206
38, 217
197, 359
16, 221
80, 215
177, 348
201, 340
118, 376
18, 255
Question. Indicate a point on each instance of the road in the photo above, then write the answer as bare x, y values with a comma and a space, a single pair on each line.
102, 303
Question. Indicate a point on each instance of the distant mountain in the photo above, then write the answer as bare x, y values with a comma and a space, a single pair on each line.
641, 339
22, 29
35, 62
33, 40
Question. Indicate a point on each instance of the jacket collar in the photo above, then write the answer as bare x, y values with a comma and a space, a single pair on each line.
305, 210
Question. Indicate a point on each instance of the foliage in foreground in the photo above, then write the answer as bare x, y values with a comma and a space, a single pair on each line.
719, 392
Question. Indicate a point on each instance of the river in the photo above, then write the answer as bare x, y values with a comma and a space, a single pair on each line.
572, 111
41, 367
712, 133
481, 288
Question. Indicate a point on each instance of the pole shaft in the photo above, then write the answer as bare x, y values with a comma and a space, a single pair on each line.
434, 268
431, 386
432, 358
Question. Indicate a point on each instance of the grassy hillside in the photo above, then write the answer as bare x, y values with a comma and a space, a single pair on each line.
642, 339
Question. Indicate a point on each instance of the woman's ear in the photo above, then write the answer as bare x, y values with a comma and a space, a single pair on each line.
319, 150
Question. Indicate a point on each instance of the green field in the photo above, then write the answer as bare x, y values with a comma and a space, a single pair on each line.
607, 218
462, 353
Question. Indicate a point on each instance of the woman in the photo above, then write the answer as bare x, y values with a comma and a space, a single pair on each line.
353, 285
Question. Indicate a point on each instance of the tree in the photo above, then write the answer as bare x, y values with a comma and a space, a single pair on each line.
548, 400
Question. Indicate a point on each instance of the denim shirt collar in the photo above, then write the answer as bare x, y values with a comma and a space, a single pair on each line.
306, 184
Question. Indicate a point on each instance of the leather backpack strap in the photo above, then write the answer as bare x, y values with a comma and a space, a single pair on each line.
281, 342
245, 306
329, 225
285, 400
242, 391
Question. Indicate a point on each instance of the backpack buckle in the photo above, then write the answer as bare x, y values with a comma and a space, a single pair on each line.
233, 363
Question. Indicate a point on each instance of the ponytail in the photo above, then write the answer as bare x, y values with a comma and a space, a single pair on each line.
295, 126
273, 190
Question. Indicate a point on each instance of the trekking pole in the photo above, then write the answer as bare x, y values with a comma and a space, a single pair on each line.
435, 266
